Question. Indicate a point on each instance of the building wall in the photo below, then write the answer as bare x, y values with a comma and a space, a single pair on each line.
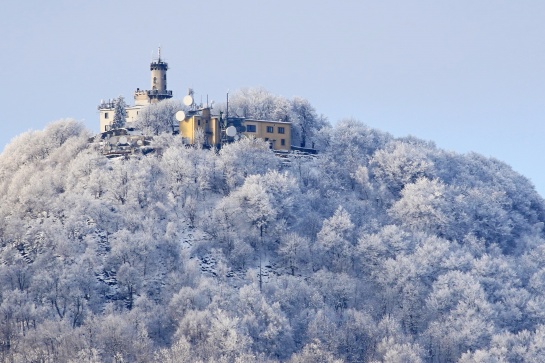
278, 134
187, 129
141, 98
271, 131
132, 113
107, 116
209, 124
159, 76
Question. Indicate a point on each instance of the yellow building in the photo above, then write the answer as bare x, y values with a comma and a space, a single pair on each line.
277, 133
199, 126
158, 92
213, 131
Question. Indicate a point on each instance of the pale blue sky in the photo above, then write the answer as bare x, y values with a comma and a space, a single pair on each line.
466, 74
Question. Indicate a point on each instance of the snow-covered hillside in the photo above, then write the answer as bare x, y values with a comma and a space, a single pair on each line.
376, 249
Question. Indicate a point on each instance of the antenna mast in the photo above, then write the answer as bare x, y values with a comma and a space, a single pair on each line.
227, 110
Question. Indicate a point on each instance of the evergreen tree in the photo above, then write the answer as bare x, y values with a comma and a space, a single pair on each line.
120, 113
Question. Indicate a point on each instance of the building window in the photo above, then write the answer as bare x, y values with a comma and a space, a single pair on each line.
250, 128
154, 80
270, 129
283, 142
281, 130
165, 77
266, 139
105, 114
199, 122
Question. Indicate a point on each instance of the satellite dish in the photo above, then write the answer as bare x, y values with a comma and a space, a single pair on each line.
239, 112
188, 100
122, 140
231, 131
237, 137
180, 115
139, 143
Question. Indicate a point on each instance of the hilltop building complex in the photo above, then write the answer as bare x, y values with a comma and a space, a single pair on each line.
197, 124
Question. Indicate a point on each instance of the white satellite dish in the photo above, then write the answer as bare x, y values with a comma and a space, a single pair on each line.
188, 100
180, 115
239, 112
237, 137
231, 131
122, 140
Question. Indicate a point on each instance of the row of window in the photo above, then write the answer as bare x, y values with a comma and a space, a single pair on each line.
270, 129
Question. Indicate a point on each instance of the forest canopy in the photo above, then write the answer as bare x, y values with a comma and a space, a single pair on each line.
377, 249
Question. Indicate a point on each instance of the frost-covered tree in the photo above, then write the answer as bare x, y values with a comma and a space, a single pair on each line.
401, 163
260, 104
295, 250
243, 158
120, 113
334, 240
423, 206
314, 352
305, 122
157, 118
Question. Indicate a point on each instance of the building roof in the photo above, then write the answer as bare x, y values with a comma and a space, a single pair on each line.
269, 121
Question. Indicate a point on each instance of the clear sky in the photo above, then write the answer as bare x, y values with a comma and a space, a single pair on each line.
469, 75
